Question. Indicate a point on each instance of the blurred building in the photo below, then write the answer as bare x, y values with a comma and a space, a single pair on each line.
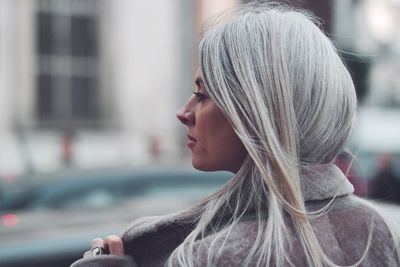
89, 82
369, 33
97, 82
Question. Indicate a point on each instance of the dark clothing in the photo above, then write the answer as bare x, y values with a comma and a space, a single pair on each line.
387, 186
342, 231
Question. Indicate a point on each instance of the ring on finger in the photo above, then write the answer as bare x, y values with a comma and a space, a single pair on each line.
95, 251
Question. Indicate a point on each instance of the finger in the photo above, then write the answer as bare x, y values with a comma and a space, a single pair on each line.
97, 242
115, 245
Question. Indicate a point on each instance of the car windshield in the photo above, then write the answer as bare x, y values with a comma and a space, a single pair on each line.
83, 191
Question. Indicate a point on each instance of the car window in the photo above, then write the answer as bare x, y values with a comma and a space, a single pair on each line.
21, 200
95, 198
86, 194
185, 190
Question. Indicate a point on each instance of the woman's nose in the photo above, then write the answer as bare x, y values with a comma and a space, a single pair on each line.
185, 115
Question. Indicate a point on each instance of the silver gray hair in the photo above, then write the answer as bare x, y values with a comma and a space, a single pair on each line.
284, 88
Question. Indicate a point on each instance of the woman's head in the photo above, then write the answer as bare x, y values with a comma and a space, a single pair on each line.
280, 82
286, 102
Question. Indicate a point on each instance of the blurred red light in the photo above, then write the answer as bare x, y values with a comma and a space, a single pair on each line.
9, 219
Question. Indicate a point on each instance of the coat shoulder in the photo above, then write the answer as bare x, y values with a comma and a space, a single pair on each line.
349, 231
356, 230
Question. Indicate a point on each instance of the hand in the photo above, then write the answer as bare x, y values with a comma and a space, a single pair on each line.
112, 242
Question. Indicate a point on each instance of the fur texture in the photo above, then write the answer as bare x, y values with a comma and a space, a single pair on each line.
343, 231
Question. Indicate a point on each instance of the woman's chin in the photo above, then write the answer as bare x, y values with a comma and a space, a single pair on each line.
202, 166
207, 167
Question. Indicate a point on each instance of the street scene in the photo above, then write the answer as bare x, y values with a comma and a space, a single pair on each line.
89, 92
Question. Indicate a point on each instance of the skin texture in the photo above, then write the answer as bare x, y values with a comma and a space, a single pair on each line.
214, 144
212, 140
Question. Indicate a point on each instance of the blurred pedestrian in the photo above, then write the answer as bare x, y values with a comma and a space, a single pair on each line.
273, 104
67, 147
386, 183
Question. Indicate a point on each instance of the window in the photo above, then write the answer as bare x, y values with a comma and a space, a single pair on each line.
67, 78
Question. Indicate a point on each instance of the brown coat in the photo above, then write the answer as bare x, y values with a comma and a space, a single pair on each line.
343, 231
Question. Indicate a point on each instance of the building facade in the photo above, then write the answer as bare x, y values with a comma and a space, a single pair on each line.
87, 83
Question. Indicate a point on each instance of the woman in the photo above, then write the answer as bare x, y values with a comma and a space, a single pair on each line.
275, 105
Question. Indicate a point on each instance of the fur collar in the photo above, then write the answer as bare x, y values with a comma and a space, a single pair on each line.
318, 182
324, 181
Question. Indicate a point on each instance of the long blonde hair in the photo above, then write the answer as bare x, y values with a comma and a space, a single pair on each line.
280, 82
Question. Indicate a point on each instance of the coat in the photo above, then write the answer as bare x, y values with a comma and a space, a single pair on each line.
343, 231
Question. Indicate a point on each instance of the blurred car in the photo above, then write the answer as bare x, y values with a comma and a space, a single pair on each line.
49, 220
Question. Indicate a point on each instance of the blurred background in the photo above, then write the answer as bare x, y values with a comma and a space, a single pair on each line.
88, 95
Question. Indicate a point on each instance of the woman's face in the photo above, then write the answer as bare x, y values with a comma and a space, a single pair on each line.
214, 144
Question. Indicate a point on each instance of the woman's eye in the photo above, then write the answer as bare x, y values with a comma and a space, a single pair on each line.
199, 96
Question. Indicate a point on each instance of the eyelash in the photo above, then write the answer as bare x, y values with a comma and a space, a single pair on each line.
199, 96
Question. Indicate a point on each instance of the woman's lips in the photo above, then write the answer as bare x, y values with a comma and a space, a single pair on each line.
191, 141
